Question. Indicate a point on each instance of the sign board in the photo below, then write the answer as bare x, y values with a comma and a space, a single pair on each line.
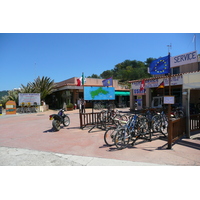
10, 108
184, 59
139, 102
29, 98
168, 99
0, 109
154, 83
99, 93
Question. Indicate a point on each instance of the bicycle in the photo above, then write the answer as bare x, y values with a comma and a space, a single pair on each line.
178, 113
98, 106
160, 123
149, 114
110, 117
136, 128
109, 134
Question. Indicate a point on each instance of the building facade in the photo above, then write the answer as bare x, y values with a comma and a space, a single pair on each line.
67, 92
185, 75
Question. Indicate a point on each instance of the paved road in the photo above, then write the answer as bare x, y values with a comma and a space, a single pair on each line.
28, 139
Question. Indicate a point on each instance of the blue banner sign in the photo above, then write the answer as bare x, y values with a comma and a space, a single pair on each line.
99, 93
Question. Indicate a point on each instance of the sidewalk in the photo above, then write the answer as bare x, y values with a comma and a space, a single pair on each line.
30, 137
26, 157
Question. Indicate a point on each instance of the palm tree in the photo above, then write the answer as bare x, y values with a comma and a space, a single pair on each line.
27, 89
3, 100
12, 95
44, 86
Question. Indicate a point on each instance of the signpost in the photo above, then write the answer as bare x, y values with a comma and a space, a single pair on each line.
31, 98
99, 93
10, 108
168, 99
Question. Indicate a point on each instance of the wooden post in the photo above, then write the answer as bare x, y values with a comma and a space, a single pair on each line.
81, 120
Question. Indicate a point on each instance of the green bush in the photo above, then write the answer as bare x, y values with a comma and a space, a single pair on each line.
70, 105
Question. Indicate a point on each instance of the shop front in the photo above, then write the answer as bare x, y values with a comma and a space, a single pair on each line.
122, 99
67, 92
155, 87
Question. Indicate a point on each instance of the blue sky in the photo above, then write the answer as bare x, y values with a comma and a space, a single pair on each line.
62, 39
24, 56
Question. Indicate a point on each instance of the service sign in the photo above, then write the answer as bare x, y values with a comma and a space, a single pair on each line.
184, 59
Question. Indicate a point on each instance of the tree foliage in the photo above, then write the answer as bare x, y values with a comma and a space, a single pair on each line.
94, 76
44, 86
128, 70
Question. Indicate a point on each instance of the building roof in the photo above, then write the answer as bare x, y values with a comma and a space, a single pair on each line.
89, 82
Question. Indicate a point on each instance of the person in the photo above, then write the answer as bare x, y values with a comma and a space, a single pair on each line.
83, 105
79, 104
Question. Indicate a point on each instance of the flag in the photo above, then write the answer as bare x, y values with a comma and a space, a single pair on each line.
142, 85
160, 66
81, 80
162, 85
194, 38
108, 82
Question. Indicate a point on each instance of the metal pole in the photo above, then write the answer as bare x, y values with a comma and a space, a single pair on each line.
195, 42
169, 113
188, 114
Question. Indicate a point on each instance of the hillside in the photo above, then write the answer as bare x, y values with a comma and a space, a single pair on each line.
3, 93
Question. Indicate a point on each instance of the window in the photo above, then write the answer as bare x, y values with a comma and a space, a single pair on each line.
175, 70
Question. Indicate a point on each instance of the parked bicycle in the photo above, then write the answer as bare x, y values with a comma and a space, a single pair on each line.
160, 123
109, 116
103, 105
109, 134
178, 113
136, 128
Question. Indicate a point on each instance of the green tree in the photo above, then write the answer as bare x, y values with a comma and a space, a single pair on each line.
107, 74
3, 100
44, 86
148, 61
29, 88
12, 95
94, 76
3, 93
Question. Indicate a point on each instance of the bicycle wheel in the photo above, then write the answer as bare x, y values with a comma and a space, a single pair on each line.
164, 125
181, 113
143, 124
156, 123
145, 129
109, 136
122, 139
176, 114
